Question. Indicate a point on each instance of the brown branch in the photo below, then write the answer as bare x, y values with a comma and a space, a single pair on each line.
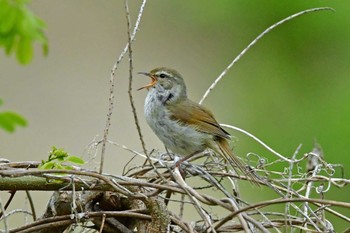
8, 202
31, 204
115, 186
111, 87
63, 220
130, 81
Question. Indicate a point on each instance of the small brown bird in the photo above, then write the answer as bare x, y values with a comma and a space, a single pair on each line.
185, 127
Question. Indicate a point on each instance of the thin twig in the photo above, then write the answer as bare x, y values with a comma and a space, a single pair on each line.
289, 186
279, 201
130, 89
193, 195
112, 83
258, 140
12, 195
102, 223
4, 217
40, 224
31, 204
130, 80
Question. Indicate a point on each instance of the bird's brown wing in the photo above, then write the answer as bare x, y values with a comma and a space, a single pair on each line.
198, 117
203, 120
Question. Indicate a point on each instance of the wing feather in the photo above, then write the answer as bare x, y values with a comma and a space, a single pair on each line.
198, 117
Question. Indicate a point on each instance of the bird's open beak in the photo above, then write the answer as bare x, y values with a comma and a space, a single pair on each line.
153, 82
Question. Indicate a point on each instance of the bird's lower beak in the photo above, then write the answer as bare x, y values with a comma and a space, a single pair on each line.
153, 82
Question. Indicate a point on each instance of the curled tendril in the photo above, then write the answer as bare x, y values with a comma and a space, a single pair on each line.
249, 159
319, 189
300, 170
262, 162
330, 169
341, 167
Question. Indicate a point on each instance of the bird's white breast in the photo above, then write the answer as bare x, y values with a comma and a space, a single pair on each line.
179, 138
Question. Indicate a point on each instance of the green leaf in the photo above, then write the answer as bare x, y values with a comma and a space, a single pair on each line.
67, 167
58, 157
57, 154
4, 8
9, 43
59, 166
19, 29
47, 165
8, 20
45, 48
74, 159
24, 50
26, 25
18, 119
43, 40
61, 154
9, 121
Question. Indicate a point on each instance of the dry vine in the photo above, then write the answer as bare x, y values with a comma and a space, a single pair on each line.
198, 196
140, 199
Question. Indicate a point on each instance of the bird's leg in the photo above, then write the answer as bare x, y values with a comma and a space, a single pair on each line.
167, 151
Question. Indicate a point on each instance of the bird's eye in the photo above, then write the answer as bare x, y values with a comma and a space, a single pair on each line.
162, 75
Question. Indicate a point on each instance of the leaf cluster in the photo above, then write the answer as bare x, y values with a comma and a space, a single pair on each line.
19, 29
58, 159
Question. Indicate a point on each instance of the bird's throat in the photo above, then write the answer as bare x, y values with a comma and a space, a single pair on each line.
165, 99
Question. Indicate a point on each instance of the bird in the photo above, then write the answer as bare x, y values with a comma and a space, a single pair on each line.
184, 126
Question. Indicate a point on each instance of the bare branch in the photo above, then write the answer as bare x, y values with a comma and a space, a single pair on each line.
130, 80
112, 81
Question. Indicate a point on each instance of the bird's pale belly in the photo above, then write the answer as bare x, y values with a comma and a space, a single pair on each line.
175, 136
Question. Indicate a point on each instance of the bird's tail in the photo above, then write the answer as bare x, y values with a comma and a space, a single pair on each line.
234, 161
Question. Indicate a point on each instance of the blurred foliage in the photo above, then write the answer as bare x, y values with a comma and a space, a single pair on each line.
10, 120
19, 29
58, 159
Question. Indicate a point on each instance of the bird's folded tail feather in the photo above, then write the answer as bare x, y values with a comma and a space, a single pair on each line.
234, 161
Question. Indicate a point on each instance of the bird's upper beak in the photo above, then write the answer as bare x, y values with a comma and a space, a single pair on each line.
153, 82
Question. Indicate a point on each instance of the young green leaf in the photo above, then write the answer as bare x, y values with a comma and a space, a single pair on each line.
8, 20
24, 50
74, 159
47, 165
19, 29
60, 166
